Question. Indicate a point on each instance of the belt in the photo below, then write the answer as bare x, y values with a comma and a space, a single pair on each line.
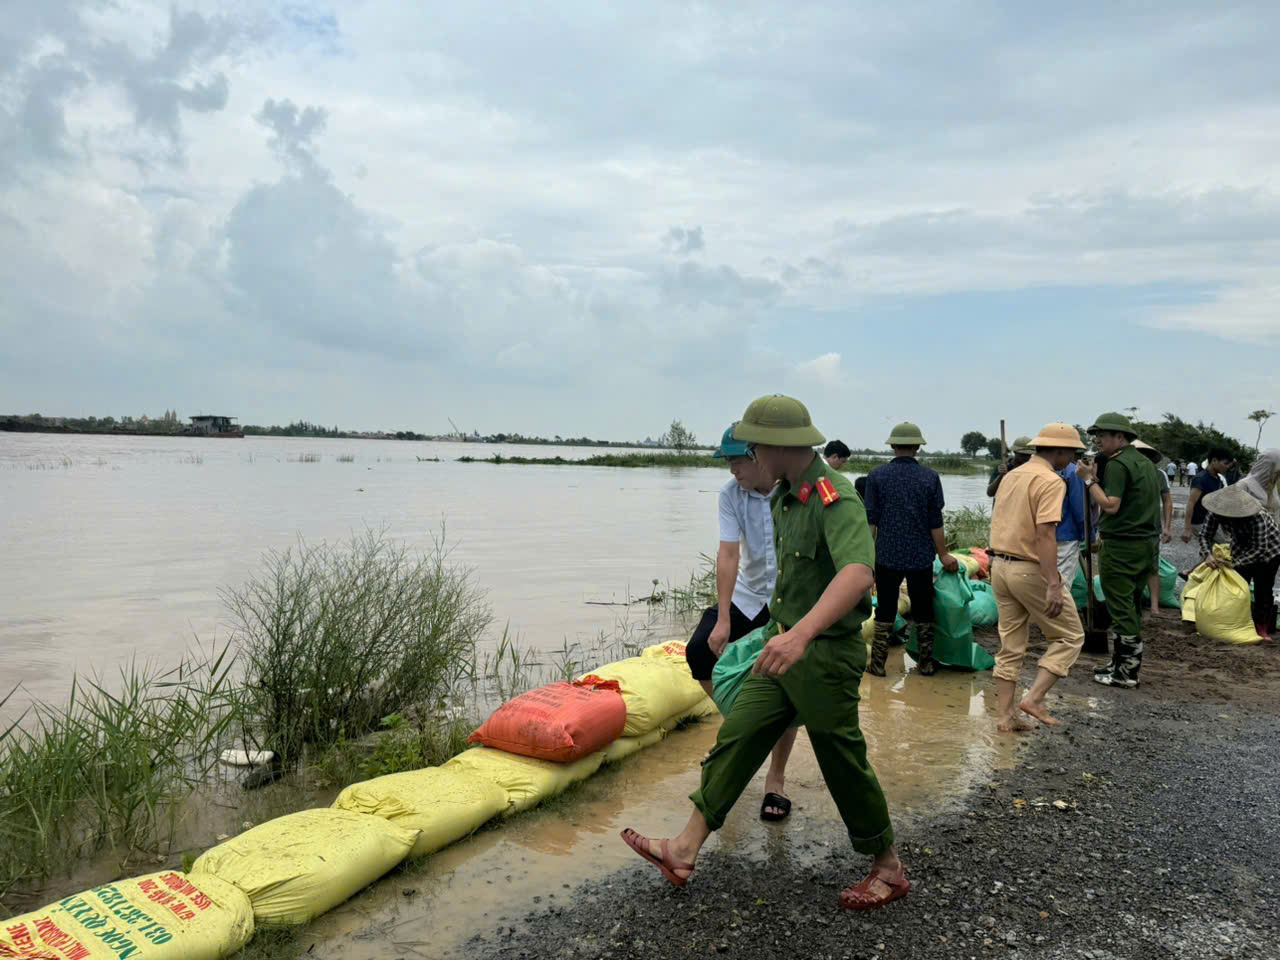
1006, 556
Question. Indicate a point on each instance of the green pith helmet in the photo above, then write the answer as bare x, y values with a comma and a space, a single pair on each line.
905, 435
730, 447
1115, 422
777, 421
1023, 445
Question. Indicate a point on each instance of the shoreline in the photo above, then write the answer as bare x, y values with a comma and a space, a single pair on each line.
1149, 859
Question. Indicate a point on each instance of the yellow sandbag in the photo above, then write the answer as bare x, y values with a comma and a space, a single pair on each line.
672, 648
1190, 591
160, 916
704, 708
526, 781
296, 867
969, 564
654, 688
904, 601
1222, 608
442, 804
624, 747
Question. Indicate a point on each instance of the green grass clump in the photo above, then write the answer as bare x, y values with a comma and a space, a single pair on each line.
334, 639
110, 767
961, 466
967, 527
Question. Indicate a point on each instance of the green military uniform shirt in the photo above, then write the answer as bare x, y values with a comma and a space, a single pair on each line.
813, 543
1131, 477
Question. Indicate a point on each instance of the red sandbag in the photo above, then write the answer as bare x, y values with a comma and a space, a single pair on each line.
559, 722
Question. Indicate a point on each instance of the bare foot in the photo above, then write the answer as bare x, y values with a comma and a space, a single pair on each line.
1013, 725
1038, 711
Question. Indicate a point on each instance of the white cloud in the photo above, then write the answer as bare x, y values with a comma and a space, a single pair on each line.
1247, 314
824, 369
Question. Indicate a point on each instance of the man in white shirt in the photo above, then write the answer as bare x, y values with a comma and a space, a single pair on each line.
746, 570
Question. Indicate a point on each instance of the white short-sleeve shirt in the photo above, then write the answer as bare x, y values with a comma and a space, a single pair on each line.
745, 518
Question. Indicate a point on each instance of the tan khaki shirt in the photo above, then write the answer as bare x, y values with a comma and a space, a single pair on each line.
1030, 495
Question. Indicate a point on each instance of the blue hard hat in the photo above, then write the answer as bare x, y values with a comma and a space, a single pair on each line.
730, 447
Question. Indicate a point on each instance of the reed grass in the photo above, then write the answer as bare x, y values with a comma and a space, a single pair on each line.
306, 458
961, 466
334, 639
967, 527
347, 458
110, 767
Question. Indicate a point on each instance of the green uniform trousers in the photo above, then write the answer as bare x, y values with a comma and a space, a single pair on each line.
1126, 566
821, 692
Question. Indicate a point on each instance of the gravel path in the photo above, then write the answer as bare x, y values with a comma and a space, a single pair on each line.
1146, 826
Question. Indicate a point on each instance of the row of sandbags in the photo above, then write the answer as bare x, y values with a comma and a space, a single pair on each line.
295, 868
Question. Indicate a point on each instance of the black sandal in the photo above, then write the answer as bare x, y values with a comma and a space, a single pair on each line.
776, 801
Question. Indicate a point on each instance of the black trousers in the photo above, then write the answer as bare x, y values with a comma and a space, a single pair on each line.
1263, 578
919, 591
698, 651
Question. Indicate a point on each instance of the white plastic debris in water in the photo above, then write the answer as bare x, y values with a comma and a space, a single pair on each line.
246, 758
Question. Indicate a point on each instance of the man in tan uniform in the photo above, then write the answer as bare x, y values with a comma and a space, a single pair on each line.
1025, 577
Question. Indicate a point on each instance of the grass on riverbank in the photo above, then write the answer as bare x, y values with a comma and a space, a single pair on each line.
967, 527
110, 768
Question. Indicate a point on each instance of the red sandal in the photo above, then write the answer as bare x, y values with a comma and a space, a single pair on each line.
860, 897
640, 844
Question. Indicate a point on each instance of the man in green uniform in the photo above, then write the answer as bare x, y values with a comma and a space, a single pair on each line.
1129, 498
811, 666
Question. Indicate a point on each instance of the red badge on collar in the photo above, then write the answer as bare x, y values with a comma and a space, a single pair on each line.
827, 490
803, 493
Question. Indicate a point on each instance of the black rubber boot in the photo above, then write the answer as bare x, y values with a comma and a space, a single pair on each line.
924, 649
880, 649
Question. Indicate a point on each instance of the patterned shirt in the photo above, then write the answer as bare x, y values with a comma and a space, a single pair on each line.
1253, 539
904, 504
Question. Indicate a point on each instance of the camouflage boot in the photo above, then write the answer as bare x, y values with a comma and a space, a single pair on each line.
880, 648
1114, 642
1128, 663
924, 649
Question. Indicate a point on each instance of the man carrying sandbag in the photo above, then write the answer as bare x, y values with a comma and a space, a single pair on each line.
744, 584
904, 508
1026, 578
1130, 507
1254, 538
812, 664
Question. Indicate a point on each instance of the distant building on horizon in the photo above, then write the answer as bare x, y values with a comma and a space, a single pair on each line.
214, 425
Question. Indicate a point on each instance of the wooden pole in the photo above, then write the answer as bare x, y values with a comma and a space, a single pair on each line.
1004, 446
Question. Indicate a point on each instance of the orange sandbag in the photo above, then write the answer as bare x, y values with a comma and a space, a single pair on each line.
984, 561
559, 722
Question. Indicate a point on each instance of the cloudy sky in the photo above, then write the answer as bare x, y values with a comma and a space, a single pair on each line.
591, 217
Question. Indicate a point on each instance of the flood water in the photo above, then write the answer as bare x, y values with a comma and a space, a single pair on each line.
116, 547
112, 547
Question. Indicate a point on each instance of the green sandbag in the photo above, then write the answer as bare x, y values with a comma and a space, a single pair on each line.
1080, 589
982, 608
953, 644
1168, 588
733, 667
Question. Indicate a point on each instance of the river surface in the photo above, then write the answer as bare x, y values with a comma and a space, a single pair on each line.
114, 547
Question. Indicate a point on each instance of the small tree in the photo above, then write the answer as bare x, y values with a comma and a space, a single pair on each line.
994, 448
972, 442
679, 437
1260, 417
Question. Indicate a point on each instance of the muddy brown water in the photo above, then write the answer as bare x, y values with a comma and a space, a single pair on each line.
117, 546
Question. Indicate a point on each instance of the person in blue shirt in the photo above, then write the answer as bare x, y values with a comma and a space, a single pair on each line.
1207, 481
1071, 528
904, 508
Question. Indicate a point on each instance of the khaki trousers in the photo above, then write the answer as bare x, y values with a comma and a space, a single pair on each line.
1019, 590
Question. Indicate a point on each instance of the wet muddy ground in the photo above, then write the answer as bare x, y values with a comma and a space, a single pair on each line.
1146, 826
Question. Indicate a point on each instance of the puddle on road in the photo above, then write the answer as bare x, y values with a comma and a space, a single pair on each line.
930, 739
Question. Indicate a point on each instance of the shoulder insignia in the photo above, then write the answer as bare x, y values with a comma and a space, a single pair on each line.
827, 490
804, 492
